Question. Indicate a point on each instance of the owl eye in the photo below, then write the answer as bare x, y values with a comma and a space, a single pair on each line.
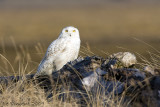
74, 30
66, 30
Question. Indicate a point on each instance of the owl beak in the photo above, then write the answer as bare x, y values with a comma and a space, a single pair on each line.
69, 34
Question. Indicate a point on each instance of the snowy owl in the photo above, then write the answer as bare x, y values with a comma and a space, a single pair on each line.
62, 50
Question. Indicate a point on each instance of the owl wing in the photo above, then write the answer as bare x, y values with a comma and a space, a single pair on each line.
47, 64
56, 47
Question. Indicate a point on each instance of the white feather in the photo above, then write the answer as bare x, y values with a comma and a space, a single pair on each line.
62, 50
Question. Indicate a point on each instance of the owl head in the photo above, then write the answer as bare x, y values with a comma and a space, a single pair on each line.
70, 31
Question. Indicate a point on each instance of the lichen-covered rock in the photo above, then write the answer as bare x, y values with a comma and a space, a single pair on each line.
149, 69
93, 82
126, 58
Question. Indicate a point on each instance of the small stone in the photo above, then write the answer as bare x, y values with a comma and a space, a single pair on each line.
159, 93
100, 72
149, 69
126, 58
140, 75
90, 81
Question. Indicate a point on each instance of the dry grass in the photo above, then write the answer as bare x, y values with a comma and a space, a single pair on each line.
27, 94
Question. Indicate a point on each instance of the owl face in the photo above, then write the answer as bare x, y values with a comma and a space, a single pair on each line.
70, 32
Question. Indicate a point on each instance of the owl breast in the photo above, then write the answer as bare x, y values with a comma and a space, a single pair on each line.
69, 53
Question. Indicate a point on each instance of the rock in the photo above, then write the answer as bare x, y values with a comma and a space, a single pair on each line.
117, 87
79, 59
90, 80
155, 82
126, 74
149, 93
149, 69
126, 58
140, 75
101, 72
98, 86
88, 64
111, 63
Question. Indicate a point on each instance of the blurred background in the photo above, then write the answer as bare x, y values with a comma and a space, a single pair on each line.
106, 26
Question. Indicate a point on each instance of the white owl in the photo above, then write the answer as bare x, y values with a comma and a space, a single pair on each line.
62, 50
